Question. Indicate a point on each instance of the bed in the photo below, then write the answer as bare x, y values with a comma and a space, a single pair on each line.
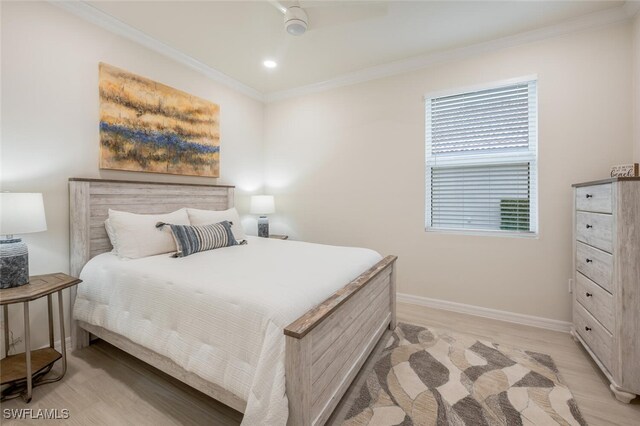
334, 326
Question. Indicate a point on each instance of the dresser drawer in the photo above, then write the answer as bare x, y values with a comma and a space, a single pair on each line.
594, 264
596, 300
595, 230
596, 198
599, 340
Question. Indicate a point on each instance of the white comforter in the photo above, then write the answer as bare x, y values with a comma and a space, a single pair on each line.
220, 314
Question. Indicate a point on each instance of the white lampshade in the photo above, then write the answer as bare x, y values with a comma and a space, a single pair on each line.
21, 213
262, 204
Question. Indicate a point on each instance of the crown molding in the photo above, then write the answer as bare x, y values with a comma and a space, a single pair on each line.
108, 22
631, 8
590, 21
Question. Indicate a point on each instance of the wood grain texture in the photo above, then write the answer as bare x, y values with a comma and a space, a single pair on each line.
595, 229
595, 198
136, 182
613, 280
105, 385
231, 198
79, 222
169, 190
393, 295
598, 339
167, 366
298, 380
13, 367
596, 300
334, 340
154, 199
328, 377
79, 248
343, 384
330, 352
38, 286
141, 197
91, 199
303, 325
609, 180
627, 284
332, 328
595, 264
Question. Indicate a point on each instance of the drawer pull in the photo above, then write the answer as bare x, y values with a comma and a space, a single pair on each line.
588, 294
589, 196
589, 260
587, 328
589, 226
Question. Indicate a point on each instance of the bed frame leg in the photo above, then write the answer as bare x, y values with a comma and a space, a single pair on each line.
80, 252
80, 338
298, 380
392, 297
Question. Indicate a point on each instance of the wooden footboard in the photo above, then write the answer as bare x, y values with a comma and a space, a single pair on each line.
326, 347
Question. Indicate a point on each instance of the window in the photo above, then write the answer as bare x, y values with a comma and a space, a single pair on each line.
481, 165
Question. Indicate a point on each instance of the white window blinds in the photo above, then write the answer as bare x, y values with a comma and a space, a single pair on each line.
481, 151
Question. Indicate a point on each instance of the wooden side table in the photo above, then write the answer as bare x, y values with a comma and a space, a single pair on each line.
23, 371
279, 237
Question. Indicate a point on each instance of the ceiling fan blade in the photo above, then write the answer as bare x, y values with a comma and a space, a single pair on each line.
331, 14
275, 3
317, 4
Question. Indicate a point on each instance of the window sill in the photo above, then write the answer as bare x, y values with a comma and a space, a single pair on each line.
483, 233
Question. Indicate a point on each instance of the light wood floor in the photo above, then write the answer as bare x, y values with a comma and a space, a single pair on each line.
105, 386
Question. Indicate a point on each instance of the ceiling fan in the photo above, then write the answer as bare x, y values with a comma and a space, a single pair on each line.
296, 20
326, 13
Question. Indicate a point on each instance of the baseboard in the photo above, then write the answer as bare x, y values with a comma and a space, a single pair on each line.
58, 347
546, 323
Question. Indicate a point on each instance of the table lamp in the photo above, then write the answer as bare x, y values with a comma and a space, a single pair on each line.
20, 213
263, 205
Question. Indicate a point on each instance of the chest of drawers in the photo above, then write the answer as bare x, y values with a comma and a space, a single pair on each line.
606, 290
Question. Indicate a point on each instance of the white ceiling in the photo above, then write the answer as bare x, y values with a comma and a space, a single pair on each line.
234, 37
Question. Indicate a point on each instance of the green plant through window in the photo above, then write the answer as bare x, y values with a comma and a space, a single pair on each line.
514, 214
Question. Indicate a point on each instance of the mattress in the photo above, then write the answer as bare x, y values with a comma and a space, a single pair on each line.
220, 314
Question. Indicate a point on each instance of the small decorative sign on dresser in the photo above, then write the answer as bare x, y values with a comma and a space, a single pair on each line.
625, 170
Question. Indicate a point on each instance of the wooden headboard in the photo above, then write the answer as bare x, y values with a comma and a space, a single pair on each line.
91, 199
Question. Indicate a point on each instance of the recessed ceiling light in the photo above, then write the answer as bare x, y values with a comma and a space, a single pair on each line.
270, 64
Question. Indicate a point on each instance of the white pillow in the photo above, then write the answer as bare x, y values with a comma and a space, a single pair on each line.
207, 217
111, 234
135, 235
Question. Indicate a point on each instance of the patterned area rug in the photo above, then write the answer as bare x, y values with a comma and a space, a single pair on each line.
425, 377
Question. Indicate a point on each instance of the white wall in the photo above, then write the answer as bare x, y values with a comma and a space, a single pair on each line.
50, 122
347, 167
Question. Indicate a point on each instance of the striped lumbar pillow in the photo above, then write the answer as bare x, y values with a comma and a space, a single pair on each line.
195, 238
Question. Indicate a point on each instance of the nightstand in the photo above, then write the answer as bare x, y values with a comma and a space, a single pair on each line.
279, 237
23, 371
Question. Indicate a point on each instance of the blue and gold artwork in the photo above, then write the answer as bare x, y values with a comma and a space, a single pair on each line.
150, 127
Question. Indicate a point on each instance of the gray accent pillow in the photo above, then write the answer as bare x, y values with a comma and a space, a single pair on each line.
196, 238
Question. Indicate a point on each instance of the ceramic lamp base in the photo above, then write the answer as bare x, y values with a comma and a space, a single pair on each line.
14, 263
263, 227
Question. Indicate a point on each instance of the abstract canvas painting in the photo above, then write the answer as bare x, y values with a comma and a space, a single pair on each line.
150, 127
